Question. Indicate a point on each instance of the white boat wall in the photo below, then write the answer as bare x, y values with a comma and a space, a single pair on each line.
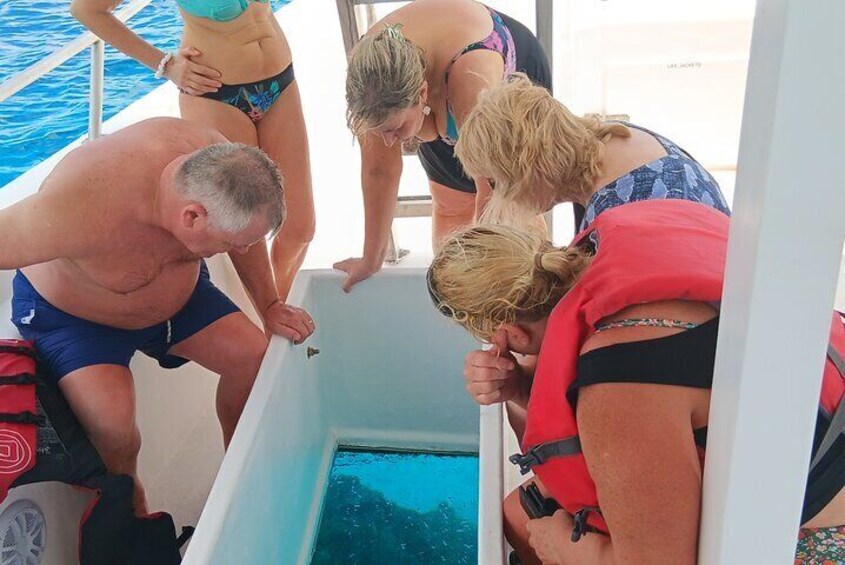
387, 376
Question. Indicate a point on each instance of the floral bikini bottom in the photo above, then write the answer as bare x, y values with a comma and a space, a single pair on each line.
254, 98
822, 546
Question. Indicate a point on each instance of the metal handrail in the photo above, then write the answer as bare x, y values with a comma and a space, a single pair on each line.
21, 80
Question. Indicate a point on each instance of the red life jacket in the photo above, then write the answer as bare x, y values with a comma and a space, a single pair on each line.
109, 531
17, 411
647, 252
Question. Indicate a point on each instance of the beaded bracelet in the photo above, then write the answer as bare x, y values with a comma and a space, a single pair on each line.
163, 64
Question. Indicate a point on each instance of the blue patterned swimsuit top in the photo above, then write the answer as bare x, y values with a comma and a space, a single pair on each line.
500, 41
676, 175
218, 10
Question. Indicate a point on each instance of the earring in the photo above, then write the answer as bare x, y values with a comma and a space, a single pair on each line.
426, 110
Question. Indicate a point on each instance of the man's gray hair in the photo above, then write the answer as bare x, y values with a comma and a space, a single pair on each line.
234, 182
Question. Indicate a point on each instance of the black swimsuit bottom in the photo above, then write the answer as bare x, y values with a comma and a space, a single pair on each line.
254, 98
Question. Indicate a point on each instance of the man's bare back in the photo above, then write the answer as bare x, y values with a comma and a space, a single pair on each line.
127, 271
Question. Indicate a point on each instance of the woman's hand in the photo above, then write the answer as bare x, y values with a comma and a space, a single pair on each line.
547, 537
357, 269
192, 78
494, 375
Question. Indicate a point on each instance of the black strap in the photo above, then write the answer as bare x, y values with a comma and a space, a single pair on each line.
682, 359
837, 421
700, 437
19, 349
541, 453
187, 532
535, 504
18, 379
19, 418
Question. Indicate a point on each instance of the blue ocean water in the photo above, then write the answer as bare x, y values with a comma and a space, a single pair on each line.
409, 508
52, 112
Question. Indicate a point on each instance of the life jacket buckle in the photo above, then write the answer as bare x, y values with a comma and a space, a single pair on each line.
581, 526
525, 460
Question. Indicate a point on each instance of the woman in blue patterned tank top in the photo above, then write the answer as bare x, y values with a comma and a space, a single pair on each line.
537, 154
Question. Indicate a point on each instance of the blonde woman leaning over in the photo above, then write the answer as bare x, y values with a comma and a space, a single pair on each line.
536, 154
416, 75
235, 74
618, 407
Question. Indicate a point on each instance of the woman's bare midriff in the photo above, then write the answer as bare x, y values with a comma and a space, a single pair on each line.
831, 515
249, 48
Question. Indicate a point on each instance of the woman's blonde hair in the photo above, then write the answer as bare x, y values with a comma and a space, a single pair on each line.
386, 73
490, 275
533, 149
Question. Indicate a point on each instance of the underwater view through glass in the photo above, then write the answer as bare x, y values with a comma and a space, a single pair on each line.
399, 507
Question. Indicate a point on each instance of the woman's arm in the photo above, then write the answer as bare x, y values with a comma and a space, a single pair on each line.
97, 16
381, 169
638, 444
637, 440
471, 74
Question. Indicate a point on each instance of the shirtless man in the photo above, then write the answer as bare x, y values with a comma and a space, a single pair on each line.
110, 252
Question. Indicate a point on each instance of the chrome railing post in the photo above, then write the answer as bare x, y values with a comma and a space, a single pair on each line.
544, 10
21, 80
95, 96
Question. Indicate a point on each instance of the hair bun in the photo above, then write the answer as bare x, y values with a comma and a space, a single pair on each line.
394, 32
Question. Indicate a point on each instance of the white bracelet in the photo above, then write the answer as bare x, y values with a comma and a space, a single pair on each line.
163, 64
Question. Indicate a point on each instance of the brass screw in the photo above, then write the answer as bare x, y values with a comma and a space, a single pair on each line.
312, 351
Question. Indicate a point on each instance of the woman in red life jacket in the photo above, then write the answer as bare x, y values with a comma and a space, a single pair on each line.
618, 407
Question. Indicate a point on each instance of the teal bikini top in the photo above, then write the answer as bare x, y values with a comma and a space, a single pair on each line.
219, 10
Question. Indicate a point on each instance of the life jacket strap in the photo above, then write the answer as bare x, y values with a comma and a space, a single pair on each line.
187, 532
17, 379
20, 418
541, 453
535, 504
17, 349
837, 421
